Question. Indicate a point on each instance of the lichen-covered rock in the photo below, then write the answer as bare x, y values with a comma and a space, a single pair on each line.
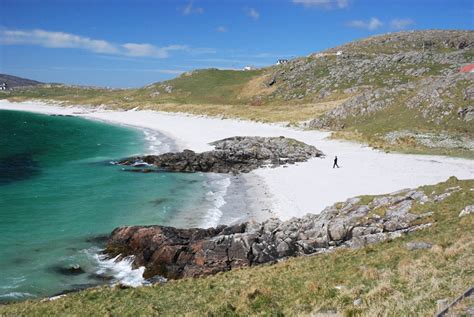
468, 210
418, 245
467, 114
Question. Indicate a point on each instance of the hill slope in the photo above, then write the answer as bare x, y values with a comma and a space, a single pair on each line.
398, 91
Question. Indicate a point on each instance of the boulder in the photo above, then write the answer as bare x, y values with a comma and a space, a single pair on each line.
418, 245
468, 210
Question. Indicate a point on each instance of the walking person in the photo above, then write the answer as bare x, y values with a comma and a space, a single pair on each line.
335, 163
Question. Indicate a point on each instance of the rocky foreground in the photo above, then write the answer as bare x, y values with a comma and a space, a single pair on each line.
176, 253
232, 155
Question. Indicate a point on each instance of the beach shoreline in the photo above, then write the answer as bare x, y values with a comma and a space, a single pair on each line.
294, 190
244, 198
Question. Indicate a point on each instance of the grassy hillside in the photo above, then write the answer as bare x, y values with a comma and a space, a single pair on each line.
207, 86
219, 93
406, 82
388, 278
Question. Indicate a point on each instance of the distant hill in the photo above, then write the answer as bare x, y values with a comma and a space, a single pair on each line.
14, 81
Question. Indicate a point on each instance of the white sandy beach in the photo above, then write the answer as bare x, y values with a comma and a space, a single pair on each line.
297, 189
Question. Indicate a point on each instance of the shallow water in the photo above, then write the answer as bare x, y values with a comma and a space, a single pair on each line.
59, 195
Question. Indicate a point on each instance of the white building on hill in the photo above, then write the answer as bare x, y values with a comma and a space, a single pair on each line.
281, 61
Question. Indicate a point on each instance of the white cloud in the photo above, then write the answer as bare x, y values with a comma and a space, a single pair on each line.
371, 25
148, 50
200, 50
67, 40
251, 12
326, 4
401, 24
190, 9
55, 40
221, 29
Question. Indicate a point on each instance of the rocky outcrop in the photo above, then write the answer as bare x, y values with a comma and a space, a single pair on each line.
431, 140
418, 245
467, 114
232, 155
385, 61
176, 253
468, 210
434, 98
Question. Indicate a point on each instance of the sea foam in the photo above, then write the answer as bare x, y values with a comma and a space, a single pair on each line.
157, 143
120, 270
217, 185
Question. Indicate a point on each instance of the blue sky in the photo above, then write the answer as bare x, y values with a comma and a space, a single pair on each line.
133, 43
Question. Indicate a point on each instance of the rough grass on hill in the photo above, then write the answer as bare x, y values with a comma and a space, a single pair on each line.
207, 86
389, 279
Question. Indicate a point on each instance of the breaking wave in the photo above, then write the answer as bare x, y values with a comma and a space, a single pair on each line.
157, 142
217, 185
121, 271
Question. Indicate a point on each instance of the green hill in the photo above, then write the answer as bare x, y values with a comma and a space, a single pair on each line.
399, 91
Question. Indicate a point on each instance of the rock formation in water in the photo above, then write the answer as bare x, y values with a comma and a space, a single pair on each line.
232, 155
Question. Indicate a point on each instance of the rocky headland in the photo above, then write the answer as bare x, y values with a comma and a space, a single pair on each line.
232, 155
357, 222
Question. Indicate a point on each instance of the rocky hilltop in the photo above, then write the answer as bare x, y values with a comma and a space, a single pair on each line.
409, 82
232, 155
368, 64
357, 222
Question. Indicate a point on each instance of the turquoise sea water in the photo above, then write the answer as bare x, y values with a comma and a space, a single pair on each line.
59, 193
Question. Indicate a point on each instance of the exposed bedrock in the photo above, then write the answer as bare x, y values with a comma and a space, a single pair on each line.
176, 253
233, 155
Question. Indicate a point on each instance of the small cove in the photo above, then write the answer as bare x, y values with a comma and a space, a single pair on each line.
60, 197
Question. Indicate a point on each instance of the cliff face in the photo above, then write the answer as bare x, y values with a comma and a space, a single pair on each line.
176, 253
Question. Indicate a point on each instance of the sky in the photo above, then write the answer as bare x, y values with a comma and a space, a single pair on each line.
134, 43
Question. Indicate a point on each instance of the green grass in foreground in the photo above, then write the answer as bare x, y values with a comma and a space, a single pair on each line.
388, 278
